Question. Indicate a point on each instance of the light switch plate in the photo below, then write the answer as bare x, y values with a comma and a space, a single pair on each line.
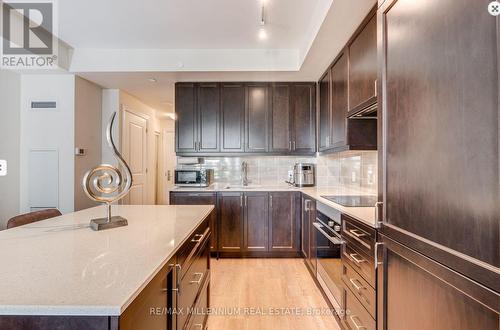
3, 167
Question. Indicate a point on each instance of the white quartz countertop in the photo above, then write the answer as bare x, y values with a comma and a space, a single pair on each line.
60, 266
363, 214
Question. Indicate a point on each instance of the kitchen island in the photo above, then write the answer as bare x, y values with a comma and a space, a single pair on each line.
59, 273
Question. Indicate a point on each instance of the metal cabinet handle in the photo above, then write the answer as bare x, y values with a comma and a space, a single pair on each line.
241, 200
378, 222
246, 200
357, 260
356, 233
353, 319
289, 145
375, 87
199, 279
307, 205
178, 277
271, 201
376, 254
355, 283
199, 239
293, 145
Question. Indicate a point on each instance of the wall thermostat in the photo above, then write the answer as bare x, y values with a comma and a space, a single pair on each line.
79, 151
3, 167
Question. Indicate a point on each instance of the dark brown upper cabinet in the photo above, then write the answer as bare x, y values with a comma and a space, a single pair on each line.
197, 110
232, 125
339, 102
281, 118
257, 112
363, 67
255, 117
186, 124
325, 110
293, 117
347, 89
208, 117
303, 131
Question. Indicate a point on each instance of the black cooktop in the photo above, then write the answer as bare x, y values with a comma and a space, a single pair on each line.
353, 201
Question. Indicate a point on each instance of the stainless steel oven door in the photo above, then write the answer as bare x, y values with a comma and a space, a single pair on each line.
329, 265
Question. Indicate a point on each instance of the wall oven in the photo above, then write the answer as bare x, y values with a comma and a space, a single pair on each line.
328, 254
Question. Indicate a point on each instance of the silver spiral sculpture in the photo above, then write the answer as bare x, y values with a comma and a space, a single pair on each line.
107, 184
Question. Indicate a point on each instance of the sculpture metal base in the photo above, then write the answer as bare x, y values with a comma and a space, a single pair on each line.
103, 223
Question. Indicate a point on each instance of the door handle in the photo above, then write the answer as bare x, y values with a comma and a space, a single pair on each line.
293, 145
357, 260
246, 200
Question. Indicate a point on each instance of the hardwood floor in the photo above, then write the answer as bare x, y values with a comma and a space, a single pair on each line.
256, 287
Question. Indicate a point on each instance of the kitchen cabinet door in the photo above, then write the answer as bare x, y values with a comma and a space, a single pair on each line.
304, 119
415, 292
324, 112
231, 222
363, 67
232, 125
339, 101
208, 117
257, 113
184, 198
442, 133
283, 222
256, 221
281, 118
186, 130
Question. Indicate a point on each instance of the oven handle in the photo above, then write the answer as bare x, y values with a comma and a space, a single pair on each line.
334, 240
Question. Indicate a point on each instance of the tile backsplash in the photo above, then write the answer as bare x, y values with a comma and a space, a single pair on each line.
347, 169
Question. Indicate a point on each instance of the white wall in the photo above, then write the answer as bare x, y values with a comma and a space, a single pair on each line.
10, 90
48, 131
88, 104
110, 104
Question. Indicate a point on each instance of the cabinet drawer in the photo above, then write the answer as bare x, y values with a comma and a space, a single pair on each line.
192, 282
356, 315
361, 289
193, 243
359, 261
360, 235
198, 320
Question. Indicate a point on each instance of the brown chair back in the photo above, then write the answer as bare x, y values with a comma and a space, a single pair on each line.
31, 217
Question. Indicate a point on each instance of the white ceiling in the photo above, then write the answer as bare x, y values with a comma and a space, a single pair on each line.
203, 40
185, 24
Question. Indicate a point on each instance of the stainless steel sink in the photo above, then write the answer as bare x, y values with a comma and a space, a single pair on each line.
241, 187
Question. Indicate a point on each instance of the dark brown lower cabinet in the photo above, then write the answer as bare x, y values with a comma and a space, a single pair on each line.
283, 234
231, 222
256, 221
415, 292
185, 198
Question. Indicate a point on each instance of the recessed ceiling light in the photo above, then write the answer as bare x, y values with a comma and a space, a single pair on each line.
262, 34
153, 80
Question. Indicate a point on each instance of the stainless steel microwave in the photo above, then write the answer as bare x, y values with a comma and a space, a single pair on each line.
194, 177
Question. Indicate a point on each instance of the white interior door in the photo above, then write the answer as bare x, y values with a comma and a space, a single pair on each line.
134, 150
169, 161
157, 169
